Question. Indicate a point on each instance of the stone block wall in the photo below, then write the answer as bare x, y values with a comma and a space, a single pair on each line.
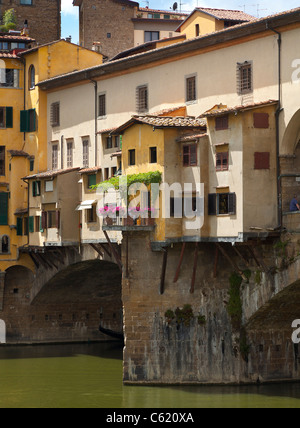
43, 16
208, 348
108, 22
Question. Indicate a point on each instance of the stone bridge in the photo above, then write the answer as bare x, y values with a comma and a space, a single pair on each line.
64, 297
185, 322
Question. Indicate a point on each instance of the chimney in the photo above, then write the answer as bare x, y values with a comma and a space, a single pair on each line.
69, 39
97, 47
25, 31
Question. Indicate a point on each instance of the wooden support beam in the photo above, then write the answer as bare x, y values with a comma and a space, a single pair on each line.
35, 261
241, 255
233, 264
105, 250
97, 250
163, 271
260, 264
114, 252
180, 263
216, 262
194, 268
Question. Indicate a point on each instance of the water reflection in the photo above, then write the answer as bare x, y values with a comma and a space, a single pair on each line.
90, 376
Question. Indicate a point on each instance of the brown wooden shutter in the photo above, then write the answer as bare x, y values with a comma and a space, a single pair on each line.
262, 160
57, 219
261, 120
44, 220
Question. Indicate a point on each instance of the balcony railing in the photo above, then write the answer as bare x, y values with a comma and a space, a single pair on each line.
129, 224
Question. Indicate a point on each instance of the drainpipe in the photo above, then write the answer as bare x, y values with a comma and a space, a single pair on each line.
62, 152
96, 120
277, 116
27, 182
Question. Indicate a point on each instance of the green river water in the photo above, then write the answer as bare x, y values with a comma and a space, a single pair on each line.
90, 376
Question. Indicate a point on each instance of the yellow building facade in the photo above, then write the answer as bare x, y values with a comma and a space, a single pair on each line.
23, 135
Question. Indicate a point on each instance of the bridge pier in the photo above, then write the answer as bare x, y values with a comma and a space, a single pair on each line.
2, 285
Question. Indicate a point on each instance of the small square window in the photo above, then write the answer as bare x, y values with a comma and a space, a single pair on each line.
222, 123
261, 120
153, 154
109, 35
191, 94
262, 160
131, 157
222, 161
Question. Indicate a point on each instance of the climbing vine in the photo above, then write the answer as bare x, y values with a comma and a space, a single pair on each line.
184, 316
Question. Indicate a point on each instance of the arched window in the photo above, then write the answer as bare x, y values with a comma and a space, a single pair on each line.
31, 77
5, 244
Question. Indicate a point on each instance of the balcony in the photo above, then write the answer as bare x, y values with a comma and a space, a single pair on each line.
291, 221
129, 224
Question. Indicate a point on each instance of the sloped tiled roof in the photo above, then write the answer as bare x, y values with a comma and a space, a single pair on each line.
53, 173
222, 111
227, 15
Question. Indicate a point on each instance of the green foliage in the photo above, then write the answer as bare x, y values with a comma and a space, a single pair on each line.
235, 309
201, 319
146, 178
9, 21
169, 316
185, 315
258, 276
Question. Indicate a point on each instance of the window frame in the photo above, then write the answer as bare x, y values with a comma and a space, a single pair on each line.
102, 113
31, 77
191, 93
131, 157
55, 114
2, 161
153, 155
142, 99
221, 157
245, 83
214, 204
222, 122
188, 155
85, 152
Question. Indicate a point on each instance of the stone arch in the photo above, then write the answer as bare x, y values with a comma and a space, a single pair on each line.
2, 331
291, 135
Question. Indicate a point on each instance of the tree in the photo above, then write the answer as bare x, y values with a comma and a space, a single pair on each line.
9, 21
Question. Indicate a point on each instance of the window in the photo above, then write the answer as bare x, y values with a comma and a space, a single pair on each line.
261, 120
92, 215
85, 153
109, 142
3, 209
197, 30
2, 161
5, 244
191, 89
167, 17
6, 117
262, 160
31, 224
19, 226
153, 155
190, 155
222, 161
28, 120
31, 73
54, 156
131, 157
37, 223
31, 165
9, 78
106, 174
69, 154
245, 78
108, 35
49, 186
222, 122
117, 141
102, 105
222, 203
142, 99
26, 2
55, 114
53, 219
150, 36
36, 188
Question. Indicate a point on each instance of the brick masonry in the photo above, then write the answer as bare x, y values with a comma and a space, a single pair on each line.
108, 22
161, 351
43, 16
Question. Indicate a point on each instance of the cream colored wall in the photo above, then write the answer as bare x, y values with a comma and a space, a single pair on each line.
227, 225
207, 24
166, 30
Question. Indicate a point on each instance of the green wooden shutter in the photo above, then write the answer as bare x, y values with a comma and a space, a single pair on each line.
92, 180
31, 224
3, 209
212, 204
9, 117
32, 120
34, 189
24, 121
19, 226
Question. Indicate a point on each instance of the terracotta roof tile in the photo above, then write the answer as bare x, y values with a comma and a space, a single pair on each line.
190, 137
220, 112
170, 121
225, 14
88, 170
19, 153
52, 174
8, 55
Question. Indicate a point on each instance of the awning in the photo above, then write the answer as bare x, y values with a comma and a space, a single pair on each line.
85, 205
